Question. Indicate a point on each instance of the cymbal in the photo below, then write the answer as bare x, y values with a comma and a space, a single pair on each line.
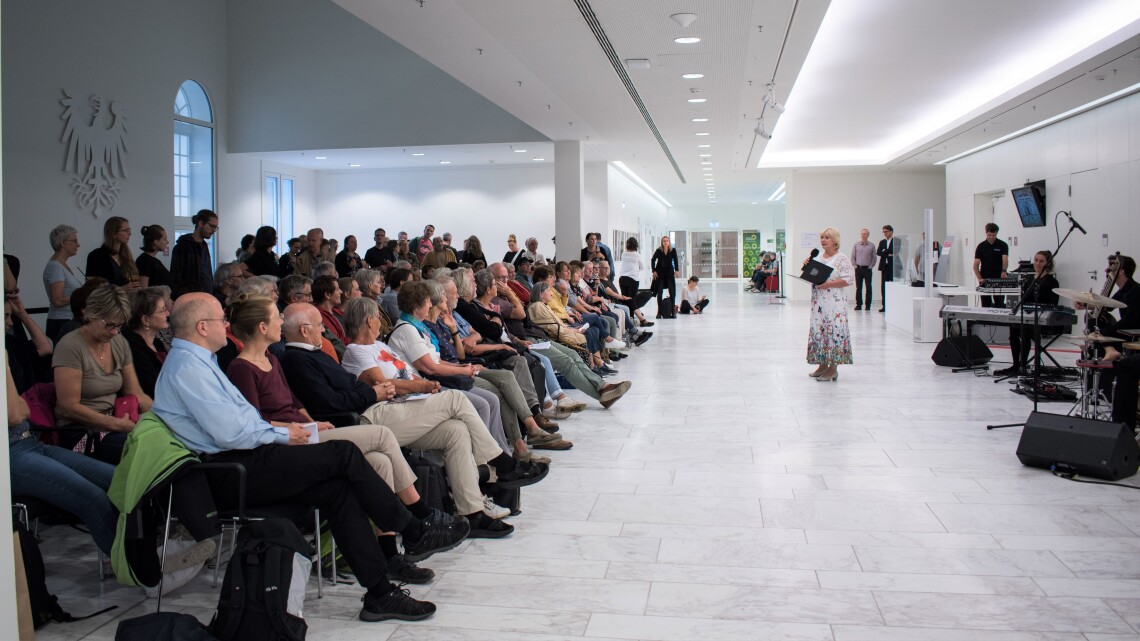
1096, 337
1131, 346
1088, 298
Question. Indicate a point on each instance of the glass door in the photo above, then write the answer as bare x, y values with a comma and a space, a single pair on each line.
727, 254
680, 243
703, 254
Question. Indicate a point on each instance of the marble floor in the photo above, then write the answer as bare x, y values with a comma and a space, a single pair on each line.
730, 497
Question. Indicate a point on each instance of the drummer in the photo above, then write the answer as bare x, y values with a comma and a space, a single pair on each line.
1038, 291
1127, 292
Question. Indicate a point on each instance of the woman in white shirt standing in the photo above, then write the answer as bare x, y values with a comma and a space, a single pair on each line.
691, 300
629, 269
60, 278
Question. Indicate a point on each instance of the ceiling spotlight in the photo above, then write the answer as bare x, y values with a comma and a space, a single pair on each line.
760, 131
703, 146
684, 19
445, 162
420, 153
700, 119
698, 99
706, 162
688, 40
539, 159
702, 133
353, 164
692, 76
705, 155
520, 151
770, 99
322, 157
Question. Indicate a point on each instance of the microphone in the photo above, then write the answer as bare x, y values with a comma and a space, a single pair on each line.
815, 252
1074, 223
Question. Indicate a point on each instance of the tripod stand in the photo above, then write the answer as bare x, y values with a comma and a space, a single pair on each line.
1036, 390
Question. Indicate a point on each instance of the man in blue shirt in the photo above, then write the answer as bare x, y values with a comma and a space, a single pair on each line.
211, 417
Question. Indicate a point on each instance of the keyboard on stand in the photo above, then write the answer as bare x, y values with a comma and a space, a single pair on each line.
1051, 315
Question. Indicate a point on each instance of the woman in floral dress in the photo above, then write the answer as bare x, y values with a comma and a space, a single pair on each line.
829, 339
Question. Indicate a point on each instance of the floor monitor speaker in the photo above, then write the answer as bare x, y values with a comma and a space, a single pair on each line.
961, 351
1099, 449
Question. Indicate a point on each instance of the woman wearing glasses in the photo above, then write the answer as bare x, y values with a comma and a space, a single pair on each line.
94, 370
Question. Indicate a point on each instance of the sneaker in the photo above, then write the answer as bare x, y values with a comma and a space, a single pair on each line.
543, 437
524, 474
397, 604
401, 570
604, 372
531, 457
485, 527
607, 369
611, 392
545, 424
554, 445
615, 344
644, 336
436, 538
647, 323
571, 405
492, 509
440, 517
556, 412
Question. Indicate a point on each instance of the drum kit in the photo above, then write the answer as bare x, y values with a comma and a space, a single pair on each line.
1092, 402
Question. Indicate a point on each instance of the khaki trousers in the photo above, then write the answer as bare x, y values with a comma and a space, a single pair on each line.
380, 449
444, 421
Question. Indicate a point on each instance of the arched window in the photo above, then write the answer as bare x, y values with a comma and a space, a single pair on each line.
193, 158
193, 150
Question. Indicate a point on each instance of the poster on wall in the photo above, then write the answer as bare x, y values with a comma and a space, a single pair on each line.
781, 240
751, 241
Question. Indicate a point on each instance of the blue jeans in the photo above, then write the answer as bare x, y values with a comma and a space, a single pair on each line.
552, 386
68, 480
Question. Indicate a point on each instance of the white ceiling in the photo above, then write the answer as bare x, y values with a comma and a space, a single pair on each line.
892, 82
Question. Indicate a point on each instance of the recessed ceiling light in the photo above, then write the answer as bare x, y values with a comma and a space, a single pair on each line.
445, 162
418, 153
353, 164
539, 159
687, 40
700, 119
706, 162
703, 146
702, 133
692, 76
322, 157
520, 151
706, 155
698, 99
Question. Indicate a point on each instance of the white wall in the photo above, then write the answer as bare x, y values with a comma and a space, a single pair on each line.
1097, 153
242, 198
850, 200
134, 51
489, 202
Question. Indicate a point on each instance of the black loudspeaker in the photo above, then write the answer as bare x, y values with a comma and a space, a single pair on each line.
1099, 449
961, 351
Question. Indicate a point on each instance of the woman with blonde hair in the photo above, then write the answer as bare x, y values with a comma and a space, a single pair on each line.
829, 338
515, 252
113, 260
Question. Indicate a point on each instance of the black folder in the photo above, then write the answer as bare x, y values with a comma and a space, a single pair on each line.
815, 272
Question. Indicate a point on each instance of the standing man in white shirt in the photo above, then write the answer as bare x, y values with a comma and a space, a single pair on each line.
863, 256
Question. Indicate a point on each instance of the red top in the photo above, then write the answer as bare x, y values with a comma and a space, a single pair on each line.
266, 391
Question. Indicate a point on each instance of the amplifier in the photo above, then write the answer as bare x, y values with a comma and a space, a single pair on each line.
1099, 449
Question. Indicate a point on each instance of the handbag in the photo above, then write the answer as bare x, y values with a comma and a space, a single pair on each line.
452, 381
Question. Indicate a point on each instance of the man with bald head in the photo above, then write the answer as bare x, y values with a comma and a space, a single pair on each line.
212, 418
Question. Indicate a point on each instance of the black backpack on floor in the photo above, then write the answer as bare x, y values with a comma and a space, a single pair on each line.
431, 481
44, 605
267, 574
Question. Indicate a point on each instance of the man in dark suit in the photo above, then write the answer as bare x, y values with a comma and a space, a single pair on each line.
888, 247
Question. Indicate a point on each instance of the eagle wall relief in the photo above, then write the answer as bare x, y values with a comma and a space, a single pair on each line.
94, 134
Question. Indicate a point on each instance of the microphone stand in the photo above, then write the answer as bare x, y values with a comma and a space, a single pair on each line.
1036, 330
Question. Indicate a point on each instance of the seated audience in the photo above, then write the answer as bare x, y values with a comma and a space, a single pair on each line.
94, 368
370, 282
326, 298
78, 303
210, 416
149, 316
396, 279
65, 479
227, 278
443, 420
558, 329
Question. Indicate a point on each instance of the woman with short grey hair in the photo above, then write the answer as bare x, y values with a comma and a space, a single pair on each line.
59, 277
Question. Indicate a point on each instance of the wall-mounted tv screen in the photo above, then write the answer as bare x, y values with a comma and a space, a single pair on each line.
1030, 203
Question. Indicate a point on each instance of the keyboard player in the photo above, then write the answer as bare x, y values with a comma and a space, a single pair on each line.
1038, 290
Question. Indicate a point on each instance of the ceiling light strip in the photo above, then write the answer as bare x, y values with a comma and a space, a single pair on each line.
619, 68
1045, 123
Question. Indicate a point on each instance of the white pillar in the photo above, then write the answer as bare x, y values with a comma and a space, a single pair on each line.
569, 187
